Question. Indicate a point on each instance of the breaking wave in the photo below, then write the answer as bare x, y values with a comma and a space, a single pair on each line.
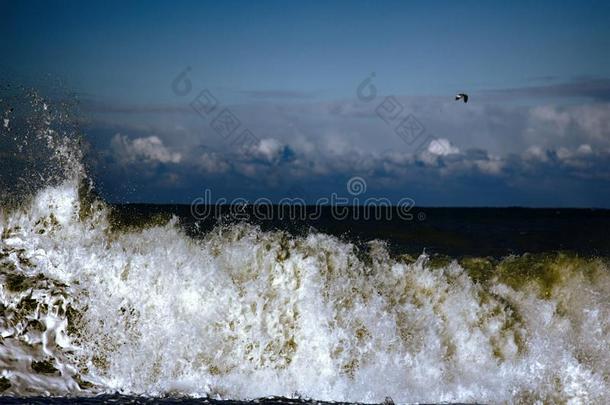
244, 313
89, 308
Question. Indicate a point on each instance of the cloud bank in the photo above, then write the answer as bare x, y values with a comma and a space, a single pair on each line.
540, 154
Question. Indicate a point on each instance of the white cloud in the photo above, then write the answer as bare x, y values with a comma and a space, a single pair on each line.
594, 120
492, 166
147, 149
535, 152
270, 149
213, 163
442, 147
585, 149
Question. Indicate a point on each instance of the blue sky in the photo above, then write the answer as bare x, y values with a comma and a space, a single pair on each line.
536, 131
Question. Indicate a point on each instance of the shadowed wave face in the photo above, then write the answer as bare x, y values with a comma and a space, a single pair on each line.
91, 305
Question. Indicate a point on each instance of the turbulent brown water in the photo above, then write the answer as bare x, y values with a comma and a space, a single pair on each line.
88, 307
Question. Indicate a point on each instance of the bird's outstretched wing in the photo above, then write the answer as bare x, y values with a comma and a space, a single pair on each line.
462, 96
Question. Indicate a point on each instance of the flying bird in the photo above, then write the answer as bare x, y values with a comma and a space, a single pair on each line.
462, 96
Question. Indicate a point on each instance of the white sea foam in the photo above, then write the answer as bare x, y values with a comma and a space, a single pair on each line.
245, 313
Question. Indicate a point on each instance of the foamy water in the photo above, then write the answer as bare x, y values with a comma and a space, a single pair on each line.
245, 313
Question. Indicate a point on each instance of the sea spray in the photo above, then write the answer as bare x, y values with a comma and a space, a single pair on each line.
40, 146
243, 313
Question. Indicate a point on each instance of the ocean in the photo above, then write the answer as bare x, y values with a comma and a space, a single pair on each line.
135, 302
